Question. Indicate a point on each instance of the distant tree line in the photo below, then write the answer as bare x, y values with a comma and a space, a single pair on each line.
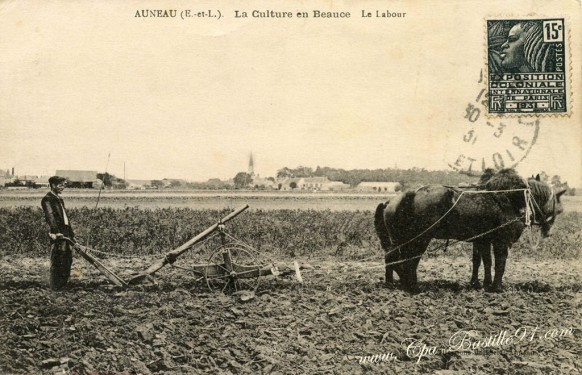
211, 184
406, 177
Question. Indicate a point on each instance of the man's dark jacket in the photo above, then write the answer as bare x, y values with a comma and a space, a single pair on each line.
53, 206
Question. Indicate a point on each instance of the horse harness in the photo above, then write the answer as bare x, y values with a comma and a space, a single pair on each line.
545, 219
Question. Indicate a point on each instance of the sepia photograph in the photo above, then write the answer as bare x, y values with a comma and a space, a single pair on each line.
290, 187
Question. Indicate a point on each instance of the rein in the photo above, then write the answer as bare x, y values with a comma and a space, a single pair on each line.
532, 204
456, 241
532, 207
525, 190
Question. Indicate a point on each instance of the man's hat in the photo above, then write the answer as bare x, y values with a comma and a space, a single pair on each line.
55, 180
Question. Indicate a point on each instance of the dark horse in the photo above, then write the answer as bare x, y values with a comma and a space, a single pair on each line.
542, 216
408, 222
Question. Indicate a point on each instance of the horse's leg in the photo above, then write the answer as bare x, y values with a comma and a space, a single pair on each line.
405, 276
477, 246
403, 269
413, 276
389, 278
389, 275
500, 252
486, 256
413, 252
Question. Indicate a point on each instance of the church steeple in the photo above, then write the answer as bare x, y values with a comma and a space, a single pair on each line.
251, 165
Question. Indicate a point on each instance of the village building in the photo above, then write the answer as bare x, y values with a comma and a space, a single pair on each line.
80, 179
174, 182
337, 186
379, 187
263, 183
311, 183
12, 181
257, 181
288, 183
5, 177
34, 181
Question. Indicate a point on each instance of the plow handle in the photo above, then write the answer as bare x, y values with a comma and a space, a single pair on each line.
96, 263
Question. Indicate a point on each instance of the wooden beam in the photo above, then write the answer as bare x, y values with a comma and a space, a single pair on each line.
174, 254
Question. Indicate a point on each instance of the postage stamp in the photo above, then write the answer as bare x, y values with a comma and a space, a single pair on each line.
487, 142
527, 72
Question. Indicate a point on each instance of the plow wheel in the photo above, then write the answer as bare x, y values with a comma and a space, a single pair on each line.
233, 268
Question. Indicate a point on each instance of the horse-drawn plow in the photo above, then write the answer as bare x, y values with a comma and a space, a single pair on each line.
232, 267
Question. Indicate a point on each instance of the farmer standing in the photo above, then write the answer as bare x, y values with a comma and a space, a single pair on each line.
56, 217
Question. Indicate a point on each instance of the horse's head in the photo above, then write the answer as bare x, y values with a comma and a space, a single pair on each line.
546, 204
552, 209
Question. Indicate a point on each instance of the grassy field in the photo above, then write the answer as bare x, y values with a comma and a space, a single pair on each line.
136, 231
213, 200
200, 200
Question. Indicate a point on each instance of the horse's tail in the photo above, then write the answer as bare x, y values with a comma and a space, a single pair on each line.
381, 228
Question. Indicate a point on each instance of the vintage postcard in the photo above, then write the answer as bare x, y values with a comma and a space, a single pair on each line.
290, 187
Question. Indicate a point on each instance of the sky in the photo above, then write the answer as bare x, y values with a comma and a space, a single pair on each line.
87, 85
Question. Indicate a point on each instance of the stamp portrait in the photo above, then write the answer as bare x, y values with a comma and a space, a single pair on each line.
527, 72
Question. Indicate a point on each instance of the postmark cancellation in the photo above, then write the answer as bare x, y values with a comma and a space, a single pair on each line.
527, 72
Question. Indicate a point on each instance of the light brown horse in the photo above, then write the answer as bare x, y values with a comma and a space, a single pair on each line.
409, 221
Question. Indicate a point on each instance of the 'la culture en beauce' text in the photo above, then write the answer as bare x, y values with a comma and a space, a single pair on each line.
275, 14
316, 14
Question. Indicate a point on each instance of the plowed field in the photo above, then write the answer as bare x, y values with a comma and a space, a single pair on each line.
340, 320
